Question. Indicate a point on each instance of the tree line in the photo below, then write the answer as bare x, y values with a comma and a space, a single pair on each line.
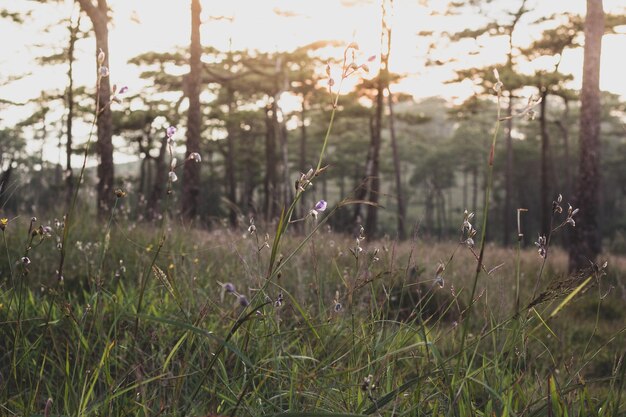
413, 163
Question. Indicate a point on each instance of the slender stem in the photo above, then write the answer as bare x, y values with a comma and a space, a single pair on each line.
483, 236
70, 211
6, 246
104, 246
330, 126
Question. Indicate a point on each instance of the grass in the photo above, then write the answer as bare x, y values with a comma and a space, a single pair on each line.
198, 351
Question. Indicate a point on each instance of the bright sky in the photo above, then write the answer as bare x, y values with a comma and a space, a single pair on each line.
160, 25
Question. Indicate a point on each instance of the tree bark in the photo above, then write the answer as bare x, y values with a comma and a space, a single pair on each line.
546, 206
508, 175
69, 177
191, 170
160, 179
586, 242
269, 183
230, 158
104, 147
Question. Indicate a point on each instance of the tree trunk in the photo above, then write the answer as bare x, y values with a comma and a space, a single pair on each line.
69, 177
269, 183
398, 172
586, 243
474, 188
362, 187
303, 139
508, 175
230, 158
563, 127
371, 222
191, 170
546, 206
104, 147
160, 179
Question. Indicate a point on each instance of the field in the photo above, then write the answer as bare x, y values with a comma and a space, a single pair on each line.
168, 320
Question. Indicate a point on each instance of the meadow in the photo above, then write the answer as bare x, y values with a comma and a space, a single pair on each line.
194, 324
108, 314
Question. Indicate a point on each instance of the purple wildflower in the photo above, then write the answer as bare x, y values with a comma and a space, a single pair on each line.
320, 206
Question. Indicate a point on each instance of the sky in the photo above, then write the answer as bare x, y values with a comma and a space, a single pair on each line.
271, 25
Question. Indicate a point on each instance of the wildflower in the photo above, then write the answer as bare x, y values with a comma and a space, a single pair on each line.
25, 260
439, 274
556, 205
101, 56
123, 90
338, 307
466, 221
170, 131
3, 223
229, 287
367, 383
541, 245
119, 193
45, 231
497, 87
243, 301
173, 176
571, 212
319, 207
252, 227
195, 156
279, 300
103, 71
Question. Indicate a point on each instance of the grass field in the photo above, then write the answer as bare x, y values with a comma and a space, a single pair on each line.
338, 325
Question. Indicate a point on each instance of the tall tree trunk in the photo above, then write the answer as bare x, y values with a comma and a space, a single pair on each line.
397, 170
104, 147
69, 177
158, 185
508, 175
269, 183
303, 142
382, 82
362, 188
563, 126
401, 210
546, 206
475, 188
230, 158
191, 170
586, 243
371, 222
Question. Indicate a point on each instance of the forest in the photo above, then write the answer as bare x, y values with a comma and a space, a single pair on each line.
405, 219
